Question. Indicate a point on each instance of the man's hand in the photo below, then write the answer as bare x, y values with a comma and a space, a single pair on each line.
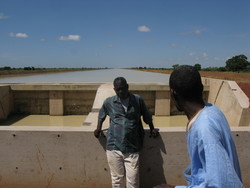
164, 186
154, 133
97, 133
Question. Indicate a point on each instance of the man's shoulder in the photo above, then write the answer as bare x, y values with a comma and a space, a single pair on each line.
135, 95
211, 110
110, 99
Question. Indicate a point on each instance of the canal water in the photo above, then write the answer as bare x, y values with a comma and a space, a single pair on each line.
95, 76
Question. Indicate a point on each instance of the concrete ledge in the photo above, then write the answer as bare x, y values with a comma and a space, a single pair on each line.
61, 87
73, 157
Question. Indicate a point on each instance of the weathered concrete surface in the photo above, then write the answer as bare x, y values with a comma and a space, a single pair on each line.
5, 104
72, 157
229, 97
56, 103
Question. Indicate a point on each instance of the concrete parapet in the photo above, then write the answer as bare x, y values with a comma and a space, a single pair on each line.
5, 101
162, 103
103, 92
72, 157
229, 97
56, 103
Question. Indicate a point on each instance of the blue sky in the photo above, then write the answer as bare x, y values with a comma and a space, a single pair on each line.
122, 33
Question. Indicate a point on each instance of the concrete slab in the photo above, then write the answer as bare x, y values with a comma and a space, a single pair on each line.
103, 92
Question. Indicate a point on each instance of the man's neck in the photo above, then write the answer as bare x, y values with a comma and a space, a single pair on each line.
191, 109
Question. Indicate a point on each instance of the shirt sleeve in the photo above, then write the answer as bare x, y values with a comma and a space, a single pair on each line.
147, 116
103, 112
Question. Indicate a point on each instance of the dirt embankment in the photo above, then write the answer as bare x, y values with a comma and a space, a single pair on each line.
13, 73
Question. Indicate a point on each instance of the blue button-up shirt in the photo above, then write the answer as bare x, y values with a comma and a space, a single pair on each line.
212, 151
126, 132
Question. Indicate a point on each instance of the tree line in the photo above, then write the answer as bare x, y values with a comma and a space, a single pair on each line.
238, 63
6, 68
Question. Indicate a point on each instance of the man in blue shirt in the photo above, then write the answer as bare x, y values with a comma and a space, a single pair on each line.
125, 134
213, 157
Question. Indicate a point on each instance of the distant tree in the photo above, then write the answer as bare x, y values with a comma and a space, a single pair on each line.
6, 68
237, 63
197, 67
175, 66
222, 69
27, 68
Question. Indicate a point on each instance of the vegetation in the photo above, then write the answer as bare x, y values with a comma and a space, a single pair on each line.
10, 71
237, 68
237, 63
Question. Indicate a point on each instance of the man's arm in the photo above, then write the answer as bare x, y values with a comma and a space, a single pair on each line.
101, 117
153, 132
98, 130
147, 118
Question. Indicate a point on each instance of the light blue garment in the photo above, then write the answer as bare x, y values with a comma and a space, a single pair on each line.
212, 151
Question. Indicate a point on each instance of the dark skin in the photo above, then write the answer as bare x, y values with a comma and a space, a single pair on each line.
121, 90
190, 109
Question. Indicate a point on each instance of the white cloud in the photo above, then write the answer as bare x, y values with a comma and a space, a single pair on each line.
70, 37
3, 16
174, 45
22, 35
191, 53
197, 32
42, 39
143, 29
18, 35
205, 54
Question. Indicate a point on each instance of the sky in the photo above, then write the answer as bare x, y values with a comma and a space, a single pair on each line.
122, 33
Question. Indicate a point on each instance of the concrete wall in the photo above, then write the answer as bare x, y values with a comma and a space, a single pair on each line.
72, 157
5, 101
229, 97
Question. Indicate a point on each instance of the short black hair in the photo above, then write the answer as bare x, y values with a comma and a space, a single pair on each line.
185, 80
122, 79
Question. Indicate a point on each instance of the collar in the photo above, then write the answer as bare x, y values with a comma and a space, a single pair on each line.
117, 99
191, 121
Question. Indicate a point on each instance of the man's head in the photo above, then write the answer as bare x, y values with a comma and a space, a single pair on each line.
185, 84
121, 87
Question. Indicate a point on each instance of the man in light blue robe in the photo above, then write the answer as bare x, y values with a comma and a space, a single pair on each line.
213, 156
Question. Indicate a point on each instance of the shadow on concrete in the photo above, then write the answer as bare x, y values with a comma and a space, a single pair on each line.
151, 162
102, 140
12, 119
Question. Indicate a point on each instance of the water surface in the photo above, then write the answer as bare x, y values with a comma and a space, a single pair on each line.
93, 76
77, 121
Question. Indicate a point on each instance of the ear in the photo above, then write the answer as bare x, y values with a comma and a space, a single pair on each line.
127, 86
174, 94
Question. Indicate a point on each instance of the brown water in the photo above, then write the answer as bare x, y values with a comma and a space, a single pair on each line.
77, 121
45, 120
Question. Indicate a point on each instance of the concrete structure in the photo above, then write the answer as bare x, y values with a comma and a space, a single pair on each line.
72, 157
